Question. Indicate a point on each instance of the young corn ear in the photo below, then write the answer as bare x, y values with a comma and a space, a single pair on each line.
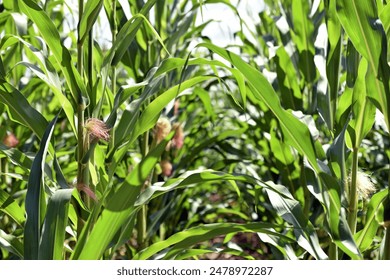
97, 129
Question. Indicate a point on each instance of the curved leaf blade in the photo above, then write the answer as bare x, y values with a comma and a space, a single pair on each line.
298, 136
126, 35
35, 203
90, 15
185, 239
11, 208
11, 244
120, 206
296, 132
61, 53
51, 245
365, 237
361, 22
20, 109
282, 201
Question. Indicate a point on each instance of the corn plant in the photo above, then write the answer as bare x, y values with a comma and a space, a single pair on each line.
155, 142
331, 66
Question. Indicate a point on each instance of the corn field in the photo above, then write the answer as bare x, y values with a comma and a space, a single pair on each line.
142, 138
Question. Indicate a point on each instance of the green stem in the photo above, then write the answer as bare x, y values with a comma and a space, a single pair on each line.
90, 62
162, 231
306, 192
333, 252
80, 60
82, 140
2, 174
141, 227
352, 195
114, 31
8, 180
143, 213
386, 250
311, 106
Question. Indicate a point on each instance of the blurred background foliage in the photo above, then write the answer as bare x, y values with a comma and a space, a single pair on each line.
270, 137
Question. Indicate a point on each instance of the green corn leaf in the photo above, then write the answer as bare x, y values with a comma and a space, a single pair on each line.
326, 189
83, 237
51, 246
128, 129
17, 157
280, 150
11, 208
297, 134
303, 37
344, 108
284, 247
21, 111
125, 92
365, 236
363, 111
185, 239
174, 63
154, 32
20, 159
46, 73
52, 38
352, 60
191, 253
283, 202
208, 143
181, 30
88, 19
35, 203
358, 19
289, 209
120, 206
206, 101
385, 18
339, 230
11, 244
337, 155
126, 231
152, 112
291, 95
2, 70
328, 65
126, 35
333, 58
361, 22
